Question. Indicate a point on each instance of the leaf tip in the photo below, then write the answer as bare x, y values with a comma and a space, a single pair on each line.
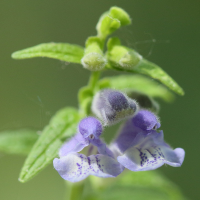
14, 55
21, 180
181, 92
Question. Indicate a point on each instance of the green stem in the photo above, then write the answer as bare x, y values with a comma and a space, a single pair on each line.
93, 80
86, 93
74, 190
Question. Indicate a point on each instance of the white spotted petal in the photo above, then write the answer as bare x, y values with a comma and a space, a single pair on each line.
76, 167
151, 152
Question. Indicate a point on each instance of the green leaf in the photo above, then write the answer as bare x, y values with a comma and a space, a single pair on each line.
112, 20
138, 83
149, 185
62, 125
150, 69
125, 59
62, 51
17, 141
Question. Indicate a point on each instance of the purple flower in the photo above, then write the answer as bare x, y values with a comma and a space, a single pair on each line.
75, 167
112, 106
141, 147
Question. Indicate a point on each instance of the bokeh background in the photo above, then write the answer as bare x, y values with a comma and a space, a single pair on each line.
166, 32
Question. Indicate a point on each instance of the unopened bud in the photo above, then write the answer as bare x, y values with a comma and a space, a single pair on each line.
112, 20
130, 59
112, 106
121, 56
93, 58
93, 61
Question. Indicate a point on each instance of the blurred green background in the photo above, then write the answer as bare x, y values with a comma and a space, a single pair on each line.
165, 32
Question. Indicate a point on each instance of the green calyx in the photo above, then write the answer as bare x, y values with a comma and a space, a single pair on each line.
93, 58
120, 56
112, 20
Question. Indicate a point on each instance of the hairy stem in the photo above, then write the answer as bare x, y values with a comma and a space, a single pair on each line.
93, 79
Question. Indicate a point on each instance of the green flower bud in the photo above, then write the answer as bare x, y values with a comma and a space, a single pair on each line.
112, 20
121, 15
93, 58
120, 56
130, 59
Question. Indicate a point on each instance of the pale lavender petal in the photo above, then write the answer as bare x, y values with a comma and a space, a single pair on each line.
89, 128
104, 166
144, 122
126, 136
75, 167
102, 147
75, 144
174, 158
150, 152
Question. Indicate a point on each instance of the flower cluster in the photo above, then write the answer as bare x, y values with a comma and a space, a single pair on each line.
138, 147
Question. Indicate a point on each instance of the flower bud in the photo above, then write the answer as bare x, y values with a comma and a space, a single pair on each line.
90, 127
120, 56
112, 106
93, 58
112, 20
121, 15
93, 61
130, 59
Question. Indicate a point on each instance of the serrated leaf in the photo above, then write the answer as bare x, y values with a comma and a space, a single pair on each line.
62, 125
140, 185
17, 141
62, 51
138, 83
